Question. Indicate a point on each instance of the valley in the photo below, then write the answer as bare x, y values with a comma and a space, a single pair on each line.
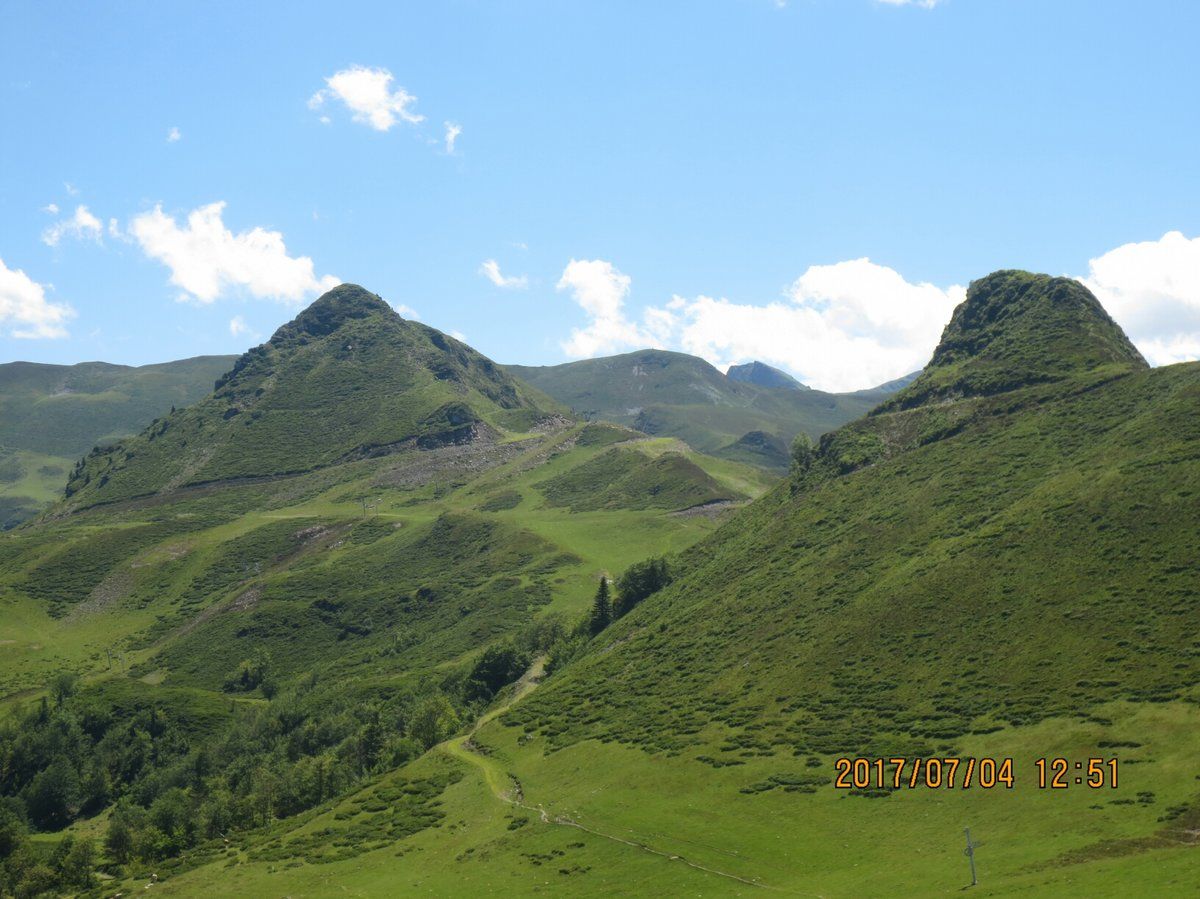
334, 627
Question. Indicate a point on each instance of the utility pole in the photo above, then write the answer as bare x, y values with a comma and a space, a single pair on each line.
969, 852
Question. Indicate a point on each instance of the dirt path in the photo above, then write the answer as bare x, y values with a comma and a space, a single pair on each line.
506, 788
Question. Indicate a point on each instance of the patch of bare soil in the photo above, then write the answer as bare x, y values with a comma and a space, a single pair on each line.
245, 601
709, 510
115, 587
460, 461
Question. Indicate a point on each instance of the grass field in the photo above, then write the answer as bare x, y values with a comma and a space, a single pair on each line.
392, 674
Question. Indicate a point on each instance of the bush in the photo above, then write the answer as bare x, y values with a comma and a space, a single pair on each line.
638, 582
433, 720
497, 667
802, 453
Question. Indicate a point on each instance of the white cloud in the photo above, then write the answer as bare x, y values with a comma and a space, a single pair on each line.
459, 336
206, 258
844, 327
856, 324
600, 290
406, 311
923, 4
50, 208
174, 135
71, 189
453, 130
1152, 289
491, 270
238, 326
24, 310
367, 93
81, 225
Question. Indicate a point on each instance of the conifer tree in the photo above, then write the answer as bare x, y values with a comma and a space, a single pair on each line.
601, 609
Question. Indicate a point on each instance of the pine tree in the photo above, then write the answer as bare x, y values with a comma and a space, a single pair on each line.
601, 609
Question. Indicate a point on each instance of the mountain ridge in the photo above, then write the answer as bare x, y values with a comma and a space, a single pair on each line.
51, 415
764, 376
1017, 328
332, 670
348, 375
666, 393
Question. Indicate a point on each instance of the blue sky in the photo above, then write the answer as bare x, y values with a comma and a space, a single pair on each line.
705, 176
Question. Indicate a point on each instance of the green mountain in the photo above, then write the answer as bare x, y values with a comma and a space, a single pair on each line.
912, 565
271, 601
1017, 329
896, 384
677, 395
348, 378
50, 415
999, 563
392, 673
763, 375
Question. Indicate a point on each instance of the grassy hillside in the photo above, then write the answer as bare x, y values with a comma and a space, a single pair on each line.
65, 410
673, 394
1007, 574
50, 415
328, 682
188, 657
1017, 329
349, 378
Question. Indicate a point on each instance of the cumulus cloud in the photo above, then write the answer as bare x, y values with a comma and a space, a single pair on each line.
174, 135
238, 326
491, 270
856, 324
453, 130
24, 310
82, 225
600, 290
368, 95
1152, 289
406, 311
206, 259
843, 327
50, 208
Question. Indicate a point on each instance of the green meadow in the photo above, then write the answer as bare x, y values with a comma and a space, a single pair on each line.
336, 629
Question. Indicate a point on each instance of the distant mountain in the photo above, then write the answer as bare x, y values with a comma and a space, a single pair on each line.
50, 415
763, 375
347, 378
666, 393
65, 410
893, 386
759, 448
